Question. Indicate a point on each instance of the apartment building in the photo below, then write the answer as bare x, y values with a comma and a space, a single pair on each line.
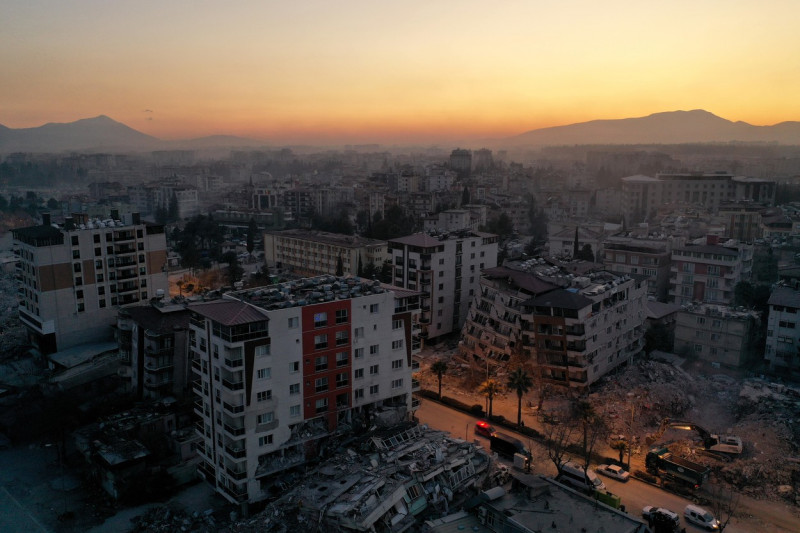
644, 195
709, 272
583, 331
649, 257
717, 334
743, 220
152, 342
783, 330
451, 220
446, 268
310, 252
281, 370
74, 277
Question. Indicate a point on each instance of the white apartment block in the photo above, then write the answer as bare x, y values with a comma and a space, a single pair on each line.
783, 330
280, 370
74, 277
451, 220
446, 268
310, 253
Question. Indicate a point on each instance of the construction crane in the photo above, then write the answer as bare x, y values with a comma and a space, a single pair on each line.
725, 446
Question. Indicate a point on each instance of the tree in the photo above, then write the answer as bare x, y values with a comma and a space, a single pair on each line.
575, 244
657, 337
173, 212
53, 204
491, 388
583, 412
235, 270
180, 283
502, 225
724, 503
360, 267
339, 266
520, 382
585, 253
439, 368
465, 196
252, 231
557, 439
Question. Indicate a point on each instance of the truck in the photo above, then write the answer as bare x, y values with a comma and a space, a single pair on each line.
507, 446
722, 446
661, 462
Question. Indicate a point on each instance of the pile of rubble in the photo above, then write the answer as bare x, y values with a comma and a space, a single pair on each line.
166, 520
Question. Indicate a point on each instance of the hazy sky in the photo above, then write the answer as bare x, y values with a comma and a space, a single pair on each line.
379, 70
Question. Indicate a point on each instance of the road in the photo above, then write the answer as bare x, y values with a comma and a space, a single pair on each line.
635, 494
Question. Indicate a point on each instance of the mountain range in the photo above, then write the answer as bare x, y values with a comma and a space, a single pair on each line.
675, 127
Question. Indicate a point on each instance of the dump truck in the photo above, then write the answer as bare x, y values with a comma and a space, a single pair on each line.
661, 462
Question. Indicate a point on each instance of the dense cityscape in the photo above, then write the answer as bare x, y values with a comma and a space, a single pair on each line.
399, 340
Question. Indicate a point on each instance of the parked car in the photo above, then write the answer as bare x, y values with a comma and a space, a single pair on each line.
699, 516
661, 519
613, 471
482, 427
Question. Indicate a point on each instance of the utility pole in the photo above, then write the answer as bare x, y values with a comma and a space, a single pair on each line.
630, 437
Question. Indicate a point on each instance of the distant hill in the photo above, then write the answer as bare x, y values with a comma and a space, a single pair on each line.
674, 127
104, 134
98, 133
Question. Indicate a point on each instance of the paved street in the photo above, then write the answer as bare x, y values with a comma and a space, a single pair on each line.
760, 516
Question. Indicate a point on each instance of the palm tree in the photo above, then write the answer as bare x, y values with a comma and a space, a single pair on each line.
439, 368
520, 382
491, 388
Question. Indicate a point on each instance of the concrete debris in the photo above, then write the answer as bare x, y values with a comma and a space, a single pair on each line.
166, 520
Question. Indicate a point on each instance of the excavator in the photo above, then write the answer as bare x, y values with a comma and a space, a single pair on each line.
722, 446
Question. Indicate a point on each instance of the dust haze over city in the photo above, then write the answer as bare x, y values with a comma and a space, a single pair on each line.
399, 267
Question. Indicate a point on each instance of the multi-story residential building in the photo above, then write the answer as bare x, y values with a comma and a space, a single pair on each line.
153, 347
446, 268
73, 277
282, 369
185, 198
709, 272
451, 220
716, 334
643, 195
783, 330
310, 253
742, 220
497, 329
461, 161
648, 257
584, 331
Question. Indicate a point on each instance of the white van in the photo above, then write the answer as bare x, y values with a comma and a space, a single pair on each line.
699, 516
573, 474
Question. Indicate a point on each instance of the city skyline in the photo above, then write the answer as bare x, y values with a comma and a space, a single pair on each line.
371, 72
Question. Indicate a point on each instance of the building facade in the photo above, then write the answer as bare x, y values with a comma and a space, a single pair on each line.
709, 272
310, 252
282, 369
716, 334
782, 351
646, 257
446, 268
74, 277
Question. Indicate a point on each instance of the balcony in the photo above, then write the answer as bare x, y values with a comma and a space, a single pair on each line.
415, 365
233, 408
238, 494
197, 366
197, 386
233, 385
414, 384
415, 404
234, 431
236, 473
198, 409
124, 249
234, 362
235, 452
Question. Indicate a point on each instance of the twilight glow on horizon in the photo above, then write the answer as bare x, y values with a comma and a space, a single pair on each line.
374, 71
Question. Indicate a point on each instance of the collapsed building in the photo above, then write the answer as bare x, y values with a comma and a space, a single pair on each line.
384, 482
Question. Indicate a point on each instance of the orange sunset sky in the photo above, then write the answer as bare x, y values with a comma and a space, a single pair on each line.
380, 71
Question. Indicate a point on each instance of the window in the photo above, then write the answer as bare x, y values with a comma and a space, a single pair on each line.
358, 394
96, 237
373, 370
396, 345
321, 384
76, 267
74, 240
397, 383
358, 332
294, 411
373, 389
293, 322
341, 380
341, 359
359, 373
294, 388
265, 440
374, 349
321, 363
397, 363
79, 294
264, 395
341, 338
264, 373
81, 307
262, 350
441, 299
320, 342
322, 405
265, 418
373, 308
341, 316
397, 324
358, 353
294, 366
441, 273
102, 303
320, 320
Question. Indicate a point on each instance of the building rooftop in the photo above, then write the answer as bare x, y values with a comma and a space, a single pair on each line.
335, 239
83, 353
785, 296
561, 298
424, 240
721, 311
526, 281
230, 312
657, 310
162, 319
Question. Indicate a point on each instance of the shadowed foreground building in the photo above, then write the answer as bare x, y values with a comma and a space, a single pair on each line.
281, 370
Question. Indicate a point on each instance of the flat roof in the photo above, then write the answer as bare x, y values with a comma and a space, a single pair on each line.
337, 239
563, 298
82, 353
230, 312
785, 296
